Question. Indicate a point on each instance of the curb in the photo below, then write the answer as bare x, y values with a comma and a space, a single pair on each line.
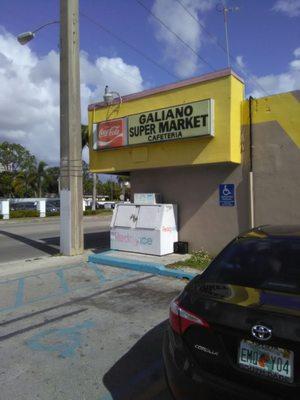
148, 267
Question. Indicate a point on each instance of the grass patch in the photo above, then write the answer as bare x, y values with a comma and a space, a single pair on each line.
52, 214
199, 260
36, 214
101, 211
24, 214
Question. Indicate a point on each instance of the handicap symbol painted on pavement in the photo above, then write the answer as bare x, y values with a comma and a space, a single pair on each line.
64, 341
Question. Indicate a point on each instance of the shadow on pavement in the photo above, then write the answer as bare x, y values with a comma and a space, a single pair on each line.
96, 241
138, 374
32, 243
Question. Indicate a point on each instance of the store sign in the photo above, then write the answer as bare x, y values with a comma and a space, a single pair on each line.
172, 123
110, 134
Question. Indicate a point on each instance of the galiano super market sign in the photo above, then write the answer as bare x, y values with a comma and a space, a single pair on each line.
172, 123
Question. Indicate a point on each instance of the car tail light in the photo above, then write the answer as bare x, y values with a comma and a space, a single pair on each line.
181, 319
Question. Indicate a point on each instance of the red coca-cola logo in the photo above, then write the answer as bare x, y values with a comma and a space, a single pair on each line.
111, 134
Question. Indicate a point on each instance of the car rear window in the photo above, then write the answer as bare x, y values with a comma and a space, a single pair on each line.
272, 263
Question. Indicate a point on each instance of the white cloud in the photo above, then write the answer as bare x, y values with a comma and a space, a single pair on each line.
181, 23
283, 82
240, 61
289, 7
29, 95
297, 52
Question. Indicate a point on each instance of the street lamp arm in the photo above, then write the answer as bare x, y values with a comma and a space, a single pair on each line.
43, 26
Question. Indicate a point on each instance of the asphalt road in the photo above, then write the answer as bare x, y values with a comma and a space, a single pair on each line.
21, 240
83, 332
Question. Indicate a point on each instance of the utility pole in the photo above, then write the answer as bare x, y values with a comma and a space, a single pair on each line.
71, 231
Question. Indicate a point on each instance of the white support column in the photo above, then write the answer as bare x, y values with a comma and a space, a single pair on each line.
41, 206
83, 205
4, 208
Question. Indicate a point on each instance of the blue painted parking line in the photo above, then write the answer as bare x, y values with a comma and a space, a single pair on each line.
63, 287
98, 272
20, 293
63, 282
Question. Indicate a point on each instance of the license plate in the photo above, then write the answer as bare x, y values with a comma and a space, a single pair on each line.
274, 362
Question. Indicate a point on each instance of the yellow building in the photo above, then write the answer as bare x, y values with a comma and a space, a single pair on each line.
189, 139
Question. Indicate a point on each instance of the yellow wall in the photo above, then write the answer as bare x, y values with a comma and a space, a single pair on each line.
283, 108
227, 93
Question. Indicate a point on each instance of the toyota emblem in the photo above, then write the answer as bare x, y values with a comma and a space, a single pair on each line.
261, 332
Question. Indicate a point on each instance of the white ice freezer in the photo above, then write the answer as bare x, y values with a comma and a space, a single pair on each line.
141, 228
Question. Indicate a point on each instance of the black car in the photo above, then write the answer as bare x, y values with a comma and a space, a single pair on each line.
234, 331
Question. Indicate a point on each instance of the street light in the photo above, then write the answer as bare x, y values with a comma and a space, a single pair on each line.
109, 96
71, 198
26, 37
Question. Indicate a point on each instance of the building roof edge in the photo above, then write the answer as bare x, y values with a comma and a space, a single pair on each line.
170, 86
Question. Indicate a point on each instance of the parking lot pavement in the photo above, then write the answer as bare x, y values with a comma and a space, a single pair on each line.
83, 332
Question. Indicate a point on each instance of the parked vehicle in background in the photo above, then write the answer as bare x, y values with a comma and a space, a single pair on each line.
28, 206
105, 204
234, 330
52, 206
109, 205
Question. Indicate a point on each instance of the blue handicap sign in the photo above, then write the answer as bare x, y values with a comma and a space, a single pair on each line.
227, 195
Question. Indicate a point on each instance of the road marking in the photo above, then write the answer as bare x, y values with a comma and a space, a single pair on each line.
20, 293
63, 282
39, 325
98, 272
63, 288
75, 301
64, 341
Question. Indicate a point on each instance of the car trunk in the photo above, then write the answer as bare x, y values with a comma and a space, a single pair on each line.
232, 311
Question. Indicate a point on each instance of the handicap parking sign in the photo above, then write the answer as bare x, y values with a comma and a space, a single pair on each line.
227, 195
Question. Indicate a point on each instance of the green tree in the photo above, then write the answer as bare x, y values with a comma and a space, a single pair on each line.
84, 135
25, 183
112, 189
6, 184
14, 157
50, 182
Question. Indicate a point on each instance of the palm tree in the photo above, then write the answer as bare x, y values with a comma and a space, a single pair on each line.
25, 183
41, 174
84, 136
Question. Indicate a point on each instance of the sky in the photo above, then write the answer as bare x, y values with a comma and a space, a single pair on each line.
132, 45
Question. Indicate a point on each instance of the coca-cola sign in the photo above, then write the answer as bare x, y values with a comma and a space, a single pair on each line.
111, 134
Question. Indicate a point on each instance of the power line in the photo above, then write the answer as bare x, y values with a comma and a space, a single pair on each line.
129, 45
222, 47
175, 34
213, 37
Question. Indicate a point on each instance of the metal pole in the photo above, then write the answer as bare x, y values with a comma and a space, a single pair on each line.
225, 9
71, 231
94, 191
251, 185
